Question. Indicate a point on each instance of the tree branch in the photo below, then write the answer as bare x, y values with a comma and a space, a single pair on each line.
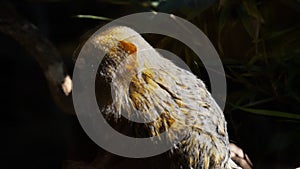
44, 52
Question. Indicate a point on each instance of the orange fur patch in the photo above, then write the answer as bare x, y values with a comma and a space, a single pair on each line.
129, 47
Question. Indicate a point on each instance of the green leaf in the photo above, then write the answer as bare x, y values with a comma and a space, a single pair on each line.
93, 17
251, 9
251, 18
225, 7
258, 102
270, 113
251, 24
280, 33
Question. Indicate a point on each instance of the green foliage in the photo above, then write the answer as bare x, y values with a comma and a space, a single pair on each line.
265, 65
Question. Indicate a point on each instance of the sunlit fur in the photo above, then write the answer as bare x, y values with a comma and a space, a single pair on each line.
143, 81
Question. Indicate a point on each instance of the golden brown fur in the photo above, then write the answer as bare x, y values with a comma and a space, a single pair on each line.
141, 80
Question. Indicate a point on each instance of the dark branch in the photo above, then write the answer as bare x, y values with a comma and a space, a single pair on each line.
47, 56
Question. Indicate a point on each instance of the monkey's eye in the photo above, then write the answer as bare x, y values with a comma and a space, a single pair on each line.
128, 47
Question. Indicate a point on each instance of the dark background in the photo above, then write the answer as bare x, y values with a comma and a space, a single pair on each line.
258, 42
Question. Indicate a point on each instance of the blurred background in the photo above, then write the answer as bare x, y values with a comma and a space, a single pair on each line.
258, 42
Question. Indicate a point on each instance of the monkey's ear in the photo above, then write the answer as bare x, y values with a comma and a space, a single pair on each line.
128, 47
